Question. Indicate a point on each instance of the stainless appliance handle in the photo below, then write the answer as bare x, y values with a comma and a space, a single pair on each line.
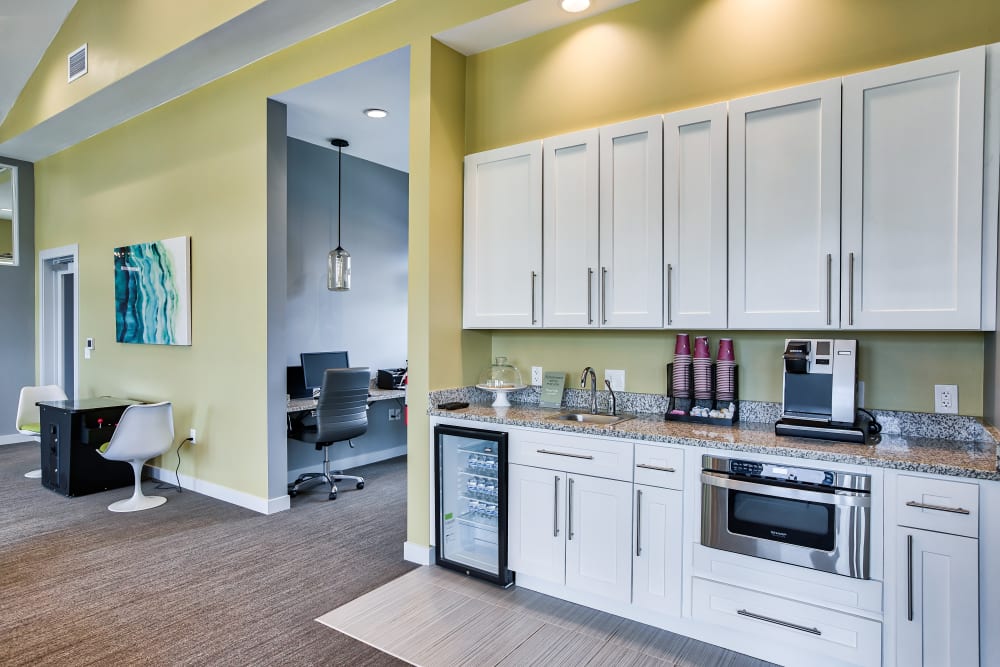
555, 506
590, 295
569, 510
850, 289
846, 498
670, 272
638, 522
652, 467
937, 508
909, 577
604, 295
575, 456
829, 283
533, 277
793, 626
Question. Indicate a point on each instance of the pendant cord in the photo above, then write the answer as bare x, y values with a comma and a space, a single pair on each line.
340, 172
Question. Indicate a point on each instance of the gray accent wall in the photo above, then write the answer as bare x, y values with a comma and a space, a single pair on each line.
17, 303
369, 321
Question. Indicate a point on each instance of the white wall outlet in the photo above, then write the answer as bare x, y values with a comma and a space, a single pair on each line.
193, 435
395, 414
617, 379
946, 398
536, 376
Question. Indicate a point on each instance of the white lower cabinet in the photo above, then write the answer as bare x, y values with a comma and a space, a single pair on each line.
656, 558
536, 545
937, 601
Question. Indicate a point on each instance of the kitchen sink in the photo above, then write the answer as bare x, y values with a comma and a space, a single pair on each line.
588, 418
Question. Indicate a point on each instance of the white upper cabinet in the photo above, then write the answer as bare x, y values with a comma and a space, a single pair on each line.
630, 277
694, 217
913, 194
784, 208
571, 223
503, 238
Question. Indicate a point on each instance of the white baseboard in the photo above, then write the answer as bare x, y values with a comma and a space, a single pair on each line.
418, 553
347, 463
17, 438
223, 493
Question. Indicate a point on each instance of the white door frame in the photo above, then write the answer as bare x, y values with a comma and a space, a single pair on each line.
50, 337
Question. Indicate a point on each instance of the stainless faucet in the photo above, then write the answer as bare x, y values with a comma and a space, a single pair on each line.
593, 387
614, 402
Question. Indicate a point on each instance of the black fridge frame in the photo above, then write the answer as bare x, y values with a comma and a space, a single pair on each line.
504, 576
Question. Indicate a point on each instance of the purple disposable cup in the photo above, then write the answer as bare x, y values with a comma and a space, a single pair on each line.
726, 352
683, 345
701, 348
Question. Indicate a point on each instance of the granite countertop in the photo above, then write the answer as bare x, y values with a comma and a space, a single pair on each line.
962, 458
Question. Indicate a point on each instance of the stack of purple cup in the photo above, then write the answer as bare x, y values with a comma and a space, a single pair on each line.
725, 375
702, 369
682, 367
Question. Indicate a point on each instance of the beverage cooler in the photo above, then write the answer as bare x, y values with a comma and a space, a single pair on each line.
470, 502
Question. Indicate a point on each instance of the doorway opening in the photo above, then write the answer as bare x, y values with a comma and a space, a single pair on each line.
58, 323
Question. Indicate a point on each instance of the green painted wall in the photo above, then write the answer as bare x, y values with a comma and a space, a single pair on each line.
6, 236
653, 57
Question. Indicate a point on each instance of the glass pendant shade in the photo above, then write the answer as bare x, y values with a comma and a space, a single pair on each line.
338, 270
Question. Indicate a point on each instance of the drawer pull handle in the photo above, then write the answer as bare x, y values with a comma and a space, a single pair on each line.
652, 467
939, 508
575, 456
768, 619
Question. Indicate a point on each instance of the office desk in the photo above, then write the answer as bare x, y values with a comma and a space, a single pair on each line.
374, 394
71, 433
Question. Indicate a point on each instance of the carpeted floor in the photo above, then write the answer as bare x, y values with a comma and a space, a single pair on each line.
193, 582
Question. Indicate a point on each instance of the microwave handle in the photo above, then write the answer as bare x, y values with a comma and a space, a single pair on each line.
848, 498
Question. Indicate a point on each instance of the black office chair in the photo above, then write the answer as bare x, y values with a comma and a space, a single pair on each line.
341, 414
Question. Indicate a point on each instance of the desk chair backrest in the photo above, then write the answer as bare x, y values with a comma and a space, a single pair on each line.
342, 411
27, 412
143, 431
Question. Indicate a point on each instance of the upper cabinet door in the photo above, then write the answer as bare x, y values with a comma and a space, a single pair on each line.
784, 208
570, 222
630, 277
694, 217
913, 194
503, 238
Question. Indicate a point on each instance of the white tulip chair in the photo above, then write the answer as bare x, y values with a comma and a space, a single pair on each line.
28, 421
143, 432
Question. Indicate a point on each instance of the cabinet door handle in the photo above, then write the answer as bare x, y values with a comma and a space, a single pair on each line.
569, 510
638, 522
604, 295
575, 456
793, 626
670, 272
533, 276
647, 466
850, 289
909, 577
937, 508
590, 295
829, 288
555, 506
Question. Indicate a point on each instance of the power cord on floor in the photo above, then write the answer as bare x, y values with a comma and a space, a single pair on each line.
161, 486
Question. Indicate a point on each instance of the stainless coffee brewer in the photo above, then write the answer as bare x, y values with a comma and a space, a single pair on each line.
820, 390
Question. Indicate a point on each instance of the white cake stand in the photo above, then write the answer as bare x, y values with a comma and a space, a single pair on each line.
501, 392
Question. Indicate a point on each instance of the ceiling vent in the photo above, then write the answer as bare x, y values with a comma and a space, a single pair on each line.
77, 63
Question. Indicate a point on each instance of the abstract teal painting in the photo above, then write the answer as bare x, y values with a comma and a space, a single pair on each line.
153, 292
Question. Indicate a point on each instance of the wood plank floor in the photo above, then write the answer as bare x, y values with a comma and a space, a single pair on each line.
438, 618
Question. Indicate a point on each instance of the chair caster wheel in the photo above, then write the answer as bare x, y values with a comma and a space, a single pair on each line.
333, 496
361, 485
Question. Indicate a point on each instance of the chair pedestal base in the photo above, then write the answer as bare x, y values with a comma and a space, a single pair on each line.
135, 504
34, 474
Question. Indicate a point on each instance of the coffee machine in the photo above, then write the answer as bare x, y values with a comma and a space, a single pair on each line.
820, 390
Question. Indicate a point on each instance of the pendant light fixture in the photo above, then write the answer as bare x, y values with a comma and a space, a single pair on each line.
338, 262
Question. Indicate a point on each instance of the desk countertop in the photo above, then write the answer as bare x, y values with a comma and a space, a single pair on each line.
374, 394
84, 404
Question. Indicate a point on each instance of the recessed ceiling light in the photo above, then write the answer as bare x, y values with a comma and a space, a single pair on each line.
574, 6
376, 113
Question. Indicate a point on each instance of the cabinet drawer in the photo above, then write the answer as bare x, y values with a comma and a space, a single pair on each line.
659, 466
938, 504
573, 453
807, 629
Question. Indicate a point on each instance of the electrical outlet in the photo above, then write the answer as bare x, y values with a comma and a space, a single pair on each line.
536, 376
395, 414
946, 398
193, 435
617, 379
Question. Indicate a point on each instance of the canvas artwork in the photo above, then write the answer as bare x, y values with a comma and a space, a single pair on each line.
153, 292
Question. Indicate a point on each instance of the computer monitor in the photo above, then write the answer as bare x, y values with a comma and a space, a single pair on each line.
314, 365
295, 384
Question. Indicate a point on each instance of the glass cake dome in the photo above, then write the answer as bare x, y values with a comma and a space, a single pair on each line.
500, 378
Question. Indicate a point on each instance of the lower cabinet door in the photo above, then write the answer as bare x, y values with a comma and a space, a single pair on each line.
598, 536
937, 608
536, 543
656, 551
